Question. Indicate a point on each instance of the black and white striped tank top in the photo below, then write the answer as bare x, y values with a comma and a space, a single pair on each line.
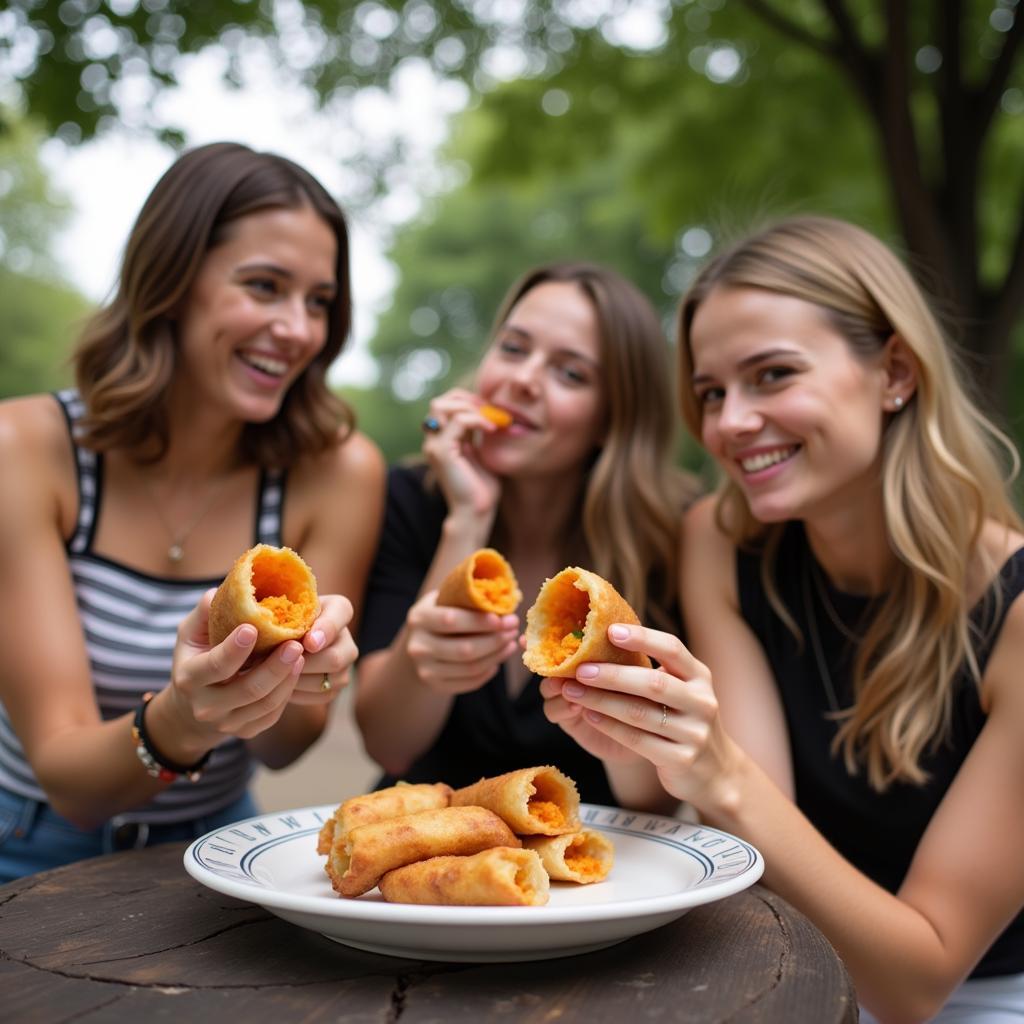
130, 620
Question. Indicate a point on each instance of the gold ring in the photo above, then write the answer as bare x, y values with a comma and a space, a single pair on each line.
325, 684
664, 716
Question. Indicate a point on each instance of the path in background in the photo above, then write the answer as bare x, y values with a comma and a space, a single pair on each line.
335, 769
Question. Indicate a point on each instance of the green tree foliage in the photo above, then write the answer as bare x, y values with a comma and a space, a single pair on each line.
458, 261
41, 319
40, 314
925, 98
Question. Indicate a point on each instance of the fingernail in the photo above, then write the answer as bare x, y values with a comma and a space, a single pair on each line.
246, 636
573, 690
587, 672
592, 716
510, 621
317, 638
290, 653
618, 632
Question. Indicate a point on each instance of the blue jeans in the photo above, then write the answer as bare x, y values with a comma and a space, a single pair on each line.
34, 838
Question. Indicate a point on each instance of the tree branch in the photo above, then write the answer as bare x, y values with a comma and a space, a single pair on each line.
1009, 300
787, 27
987, 98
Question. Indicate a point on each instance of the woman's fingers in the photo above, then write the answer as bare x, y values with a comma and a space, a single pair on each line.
665, 648
663, 714
443, 620
335, 615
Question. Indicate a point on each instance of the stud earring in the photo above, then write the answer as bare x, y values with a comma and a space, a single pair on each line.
898, 401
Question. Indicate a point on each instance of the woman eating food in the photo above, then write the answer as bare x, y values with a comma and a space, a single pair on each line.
577, 470
852, 703
201, 426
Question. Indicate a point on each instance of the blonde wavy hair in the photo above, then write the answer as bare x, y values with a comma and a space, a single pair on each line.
944, 475
634, 493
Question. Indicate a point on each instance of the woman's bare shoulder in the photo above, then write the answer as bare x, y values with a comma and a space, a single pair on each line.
701, 526
36, 455
354, 461
347, 477
34, 433
1000, 542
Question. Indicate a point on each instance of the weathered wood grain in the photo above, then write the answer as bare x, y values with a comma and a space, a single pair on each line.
134, 934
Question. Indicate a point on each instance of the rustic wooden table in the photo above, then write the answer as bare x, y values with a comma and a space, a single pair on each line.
131, 937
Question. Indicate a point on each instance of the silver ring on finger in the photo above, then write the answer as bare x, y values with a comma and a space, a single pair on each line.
664, 716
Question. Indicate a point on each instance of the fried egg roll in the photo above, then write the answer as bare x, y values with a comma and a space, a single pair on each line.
499, 877
359, 859
271, 588
392, 802
577, 857
501, 418
483, 581
568, 624
531, 801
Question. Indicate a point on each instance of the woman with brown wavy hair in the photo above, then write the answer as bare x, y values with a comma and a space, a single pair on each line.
201, 425
853, 591
583, 474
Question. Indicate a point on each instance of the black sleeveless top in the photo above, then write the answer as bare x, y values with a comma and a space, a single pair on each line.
877, 832
487, 732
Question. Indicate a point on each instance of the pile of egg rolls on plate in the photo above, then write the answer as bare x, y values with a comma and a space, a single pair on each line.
498, 842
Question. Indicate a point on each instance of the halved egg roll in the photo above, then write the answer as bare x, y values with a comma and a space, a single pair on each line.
403, 798
531, 801
568, 624
578, 857
359, 859
272, 589
499, 877
483, 581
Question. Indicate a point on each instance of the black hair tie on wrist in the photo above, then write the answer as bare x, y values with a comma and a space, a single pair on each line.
156, 765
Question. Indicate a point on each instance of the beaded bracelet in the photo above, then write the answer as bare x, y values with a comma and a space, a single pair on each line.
156, 765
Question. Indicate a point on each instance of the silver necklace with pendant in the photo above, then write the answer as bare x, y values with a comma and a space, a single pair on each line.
176, 549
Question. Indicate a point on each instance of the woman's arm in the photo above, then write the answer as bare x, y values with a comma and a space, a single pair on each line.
406, 689
88, 767
338, 498
748, 698
905, 952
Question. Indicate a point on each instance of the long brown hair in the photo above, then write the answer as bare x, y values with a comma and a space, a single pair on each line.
126, 356
943, 476
634, 494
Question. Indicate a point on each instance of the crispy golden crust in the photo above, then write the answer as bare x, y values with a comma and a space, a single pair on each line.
583, 857
498, 877
271, 588
568, 624
531, 801
360, 859
483, 581
381, 805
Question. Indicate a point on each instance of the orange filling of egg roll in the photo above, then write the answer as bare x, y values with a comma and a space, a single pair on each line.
483, 581
579, 857
568, 624
531, 801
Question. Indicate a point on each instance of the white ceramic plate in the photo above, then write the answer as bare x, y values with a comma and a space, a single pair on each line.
663, 867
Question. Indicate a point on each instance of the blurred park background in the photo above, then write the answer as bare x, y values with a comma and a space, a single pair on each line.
470, 139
